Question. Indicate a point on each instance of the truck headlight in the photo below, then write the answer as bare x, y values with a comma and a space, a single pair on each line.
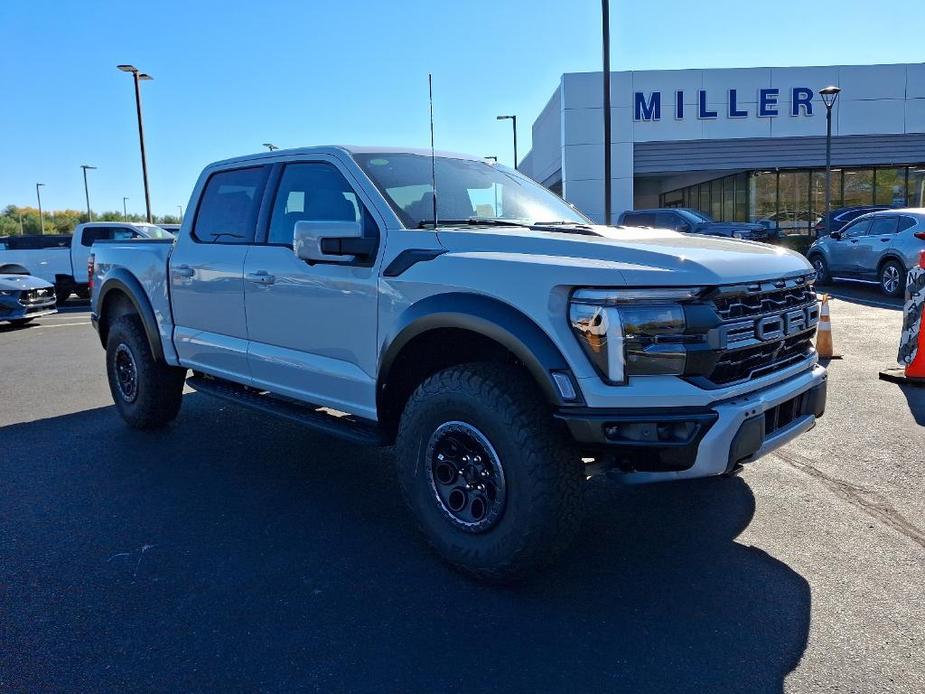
630, 332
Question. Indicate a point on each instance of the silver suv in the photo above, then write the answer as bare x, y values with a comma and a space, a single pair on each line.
880, 246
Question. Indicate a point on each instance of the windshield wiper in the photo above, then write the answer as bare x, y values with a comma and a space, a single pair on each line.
475, 221
567, 227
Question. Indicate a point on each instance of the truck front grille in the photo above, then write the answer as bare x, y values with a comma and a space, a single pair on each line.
766, 326
37, 297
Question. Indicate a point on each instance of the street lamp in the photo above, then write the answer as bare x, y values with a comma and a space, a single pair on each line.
829, 95
38, 194
605, 41
513, 120
124, 209
87, 190
138, 76
270, 146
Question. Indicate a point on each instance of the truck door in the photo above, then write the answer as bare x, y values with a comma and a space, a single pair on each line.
207, 274
313, 328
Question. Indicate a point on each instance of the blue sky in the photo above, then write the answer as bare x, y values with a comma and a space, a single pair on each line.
230, 76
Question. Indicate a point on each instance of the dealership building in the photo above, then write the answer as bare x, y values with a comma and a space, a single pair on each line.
738, 144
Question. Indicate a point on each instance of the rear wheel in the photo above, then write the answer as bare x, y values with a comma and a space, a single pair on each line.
82, 292
892, 278
494, 482
147, 393
822, 269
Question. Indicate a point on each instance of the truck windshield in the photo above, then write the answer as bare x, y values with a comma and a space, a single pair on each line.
467, 190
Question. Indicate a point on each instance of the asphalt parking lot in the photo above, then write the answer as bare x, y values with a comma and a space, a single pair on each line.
234, 552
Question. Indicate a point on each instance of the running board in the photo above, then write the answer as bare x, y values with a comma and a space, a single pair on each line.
341, 425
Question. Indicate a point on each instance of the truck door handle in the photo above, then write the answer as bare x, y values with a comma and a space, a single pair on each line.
183, 271
260, 277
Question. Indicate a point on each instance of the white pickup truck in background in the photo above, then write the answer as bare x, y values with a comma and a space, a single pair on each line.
62, 259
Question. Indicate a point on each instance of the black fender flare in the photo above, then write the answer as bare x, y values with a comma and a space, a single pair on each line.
125, 282
491, 318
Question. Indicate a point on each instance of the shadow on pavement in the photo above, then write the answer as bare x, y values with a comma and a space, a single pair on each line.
234, 552
915, 398
862, 294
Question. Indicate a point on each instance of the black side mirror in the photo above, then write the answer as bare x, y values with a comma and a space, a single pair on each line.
835, 235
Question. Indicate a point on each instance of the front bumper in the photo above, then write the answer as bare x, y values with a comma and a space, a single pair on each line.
712, 440
12, 309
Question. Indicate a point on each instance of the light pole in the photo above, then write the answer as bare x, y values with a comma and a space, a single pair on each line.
270, 146
829, 95
38, 194
87, 190
180, 207
124, 209
513, 120
605, 40
138, 76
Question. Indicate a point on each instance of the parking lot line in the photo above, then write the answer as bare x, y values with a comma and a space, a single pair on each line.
59, 325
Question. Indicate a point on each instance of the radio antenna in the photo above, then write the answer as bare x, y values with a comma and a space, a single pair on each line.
433, 152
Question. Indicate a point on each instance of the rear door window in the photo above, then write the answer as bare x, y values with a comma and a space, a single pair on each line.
639, 219
92, 234
883, 226
227, 211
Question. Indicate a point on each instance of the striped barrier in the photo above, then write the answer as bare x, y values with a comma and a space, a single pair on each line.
911, 356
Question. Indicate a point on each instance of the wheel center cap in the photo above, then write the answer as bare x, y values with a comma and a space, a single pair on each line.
471, 474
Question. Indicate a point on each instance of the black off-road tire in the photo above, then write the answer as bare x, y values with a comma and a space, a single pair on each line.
542, 471
823, 276
153, 398
82, 292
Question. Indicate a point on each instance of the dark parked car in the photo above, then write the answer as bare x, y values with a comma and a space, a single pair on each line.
843, 215
690, 221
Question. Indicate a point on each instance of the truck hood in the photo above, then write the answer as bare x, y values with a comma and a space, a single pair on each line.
22, 282
642, 257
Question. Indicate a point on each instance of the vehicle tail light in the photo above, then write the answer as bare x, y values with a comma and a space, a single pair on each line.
920, 235
91, 262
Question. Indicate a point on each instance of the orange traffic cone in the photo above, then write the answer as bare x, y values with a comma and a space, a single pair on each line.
824, 332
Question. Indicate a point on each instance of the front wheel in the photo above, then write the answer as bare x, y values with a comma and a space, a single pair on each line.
146, 392
822, 270
493, 480
892, 278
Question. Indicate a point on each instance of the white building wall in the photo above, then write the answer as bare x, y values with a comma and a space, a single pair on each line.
875, 100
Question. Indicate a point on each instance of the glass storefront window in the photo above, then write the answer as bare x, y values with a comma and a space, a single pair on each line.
891, 187
817, 192
704, 196
859, 187
729, 198
795, 216
793, 201
763, 197
716, 199
740, 214
915, 194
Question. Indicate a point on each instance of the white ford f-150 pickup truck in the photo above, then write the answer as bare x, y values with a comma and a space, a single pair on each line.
62, 259
505, 345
